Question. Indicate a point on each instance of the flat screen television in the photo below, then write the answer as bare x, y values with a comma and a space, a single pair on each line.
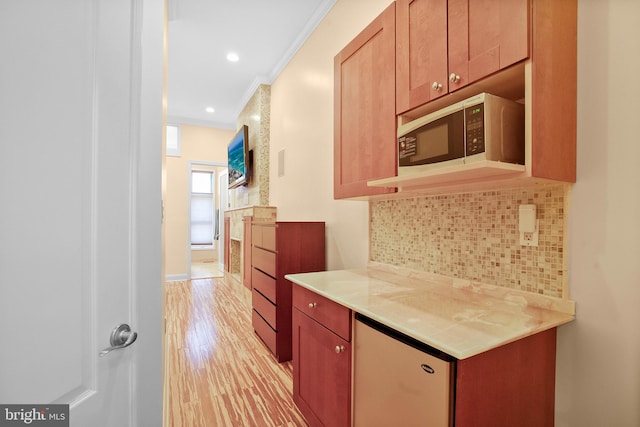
239, 159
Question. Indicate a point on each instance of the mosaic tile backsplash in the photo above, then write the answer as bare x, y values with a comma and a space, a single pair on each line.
475, 236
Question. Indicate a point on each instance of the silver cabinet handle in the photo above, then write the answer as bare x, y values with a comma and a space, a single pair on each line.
339, 349
121, 337
437, 86
312, 305
454, 78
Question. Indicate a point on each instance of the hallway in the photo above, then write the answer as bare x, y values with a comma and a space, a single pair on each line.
220, 373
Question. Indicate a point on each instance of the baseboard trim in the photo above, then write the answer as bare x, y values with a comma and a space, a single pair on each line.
176, 277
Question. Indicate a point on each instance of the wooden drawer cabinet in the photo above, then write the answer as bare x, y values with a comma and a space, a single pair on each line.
265, 331
321, 359
277, 249
264, 307
265, 237
264, 260
265, 284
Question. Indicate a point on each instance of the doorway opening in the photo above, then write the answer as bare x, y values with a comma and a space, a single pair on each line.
207, 199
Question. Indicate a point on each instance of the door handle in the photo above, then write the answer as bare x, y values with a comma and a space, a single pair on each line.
121, 337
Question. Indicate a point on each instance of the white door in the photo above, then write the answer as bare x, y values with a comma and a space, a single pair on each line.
80, 206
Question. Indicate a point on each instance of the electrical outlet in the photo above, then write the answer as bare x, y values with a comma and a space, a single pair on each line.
529, 238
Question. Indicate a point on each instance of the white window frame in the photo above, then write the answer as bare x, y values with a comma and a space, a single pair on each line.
208, 196
193, 165
177, 150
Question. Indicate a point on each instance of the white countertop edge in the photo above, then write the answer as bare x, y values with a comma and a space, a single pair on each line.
488, 342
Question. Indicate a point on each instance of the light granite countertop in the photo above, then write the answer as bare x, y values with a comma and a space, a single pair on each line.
458, 317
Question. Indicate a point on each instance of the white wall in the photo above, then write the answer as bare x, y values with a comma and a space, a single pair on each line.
598, 369
199, 144
302, 124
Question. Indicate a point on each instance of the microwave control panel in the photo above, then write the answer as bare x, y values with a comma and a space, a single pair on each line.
474, 125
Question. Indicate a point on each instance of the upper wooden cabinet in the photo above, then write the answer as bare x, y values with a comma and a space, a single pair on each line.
447, 51
421, 52
443, 46
364, 111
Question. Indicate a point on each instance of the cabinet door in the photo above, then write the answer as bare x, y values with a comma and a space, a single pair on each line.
421, 52
227, 244
485, 36
246, 270
364, 113
321, 373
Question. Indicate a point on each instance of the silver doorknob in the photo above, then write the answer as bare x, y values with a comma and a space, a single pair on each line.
454, 78
437, 86
121, 337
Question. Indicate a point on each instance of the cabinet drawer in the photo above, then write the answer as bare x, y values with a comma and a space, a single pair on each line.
265, 284
264, 260
264, 236
332, 315
264, 331
264, 307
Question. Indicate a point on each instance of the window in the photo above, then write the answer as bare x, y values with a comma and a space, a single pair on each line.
173, 141
202, 209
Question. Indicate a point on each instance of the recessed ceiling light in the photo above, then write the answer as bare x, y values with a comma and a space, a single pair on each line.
233, 57
210, 110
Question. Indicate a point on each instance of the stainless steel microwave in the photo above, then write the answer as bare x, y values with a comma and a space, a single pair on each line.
483, 127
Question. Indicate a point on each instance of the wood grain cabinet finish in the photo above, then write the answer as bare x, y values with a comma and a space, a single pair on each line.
442, 46
364, 110
512, 385
321, 359
554, 89
421, 52
278, 249
227, 245
246, 250
446, 51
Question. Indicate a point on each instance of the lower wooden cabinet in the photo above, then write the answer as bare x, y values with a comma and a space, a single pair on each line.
511, 385
321, 359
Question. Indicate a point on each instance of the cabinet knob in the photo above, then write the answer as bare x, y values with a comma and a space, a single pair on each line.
454, 78
312, 305
339, 349
437, 86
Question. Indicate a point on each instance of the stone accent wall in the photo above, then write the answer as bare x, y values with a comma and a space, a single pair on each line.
257, 116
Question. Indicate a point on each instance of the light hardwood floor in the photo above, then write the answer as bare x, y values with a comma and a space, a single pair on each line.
220, 373
205, 270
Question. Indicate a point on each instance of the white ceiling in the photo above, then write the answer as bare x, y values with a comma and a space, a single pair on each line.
264, 33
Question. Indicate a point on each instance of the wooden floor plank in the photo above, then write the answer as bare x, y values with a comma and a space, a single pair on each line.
220, 373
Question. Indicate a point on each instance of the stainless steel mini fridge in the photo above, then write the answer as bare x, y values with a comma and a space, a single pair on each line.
399, 381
